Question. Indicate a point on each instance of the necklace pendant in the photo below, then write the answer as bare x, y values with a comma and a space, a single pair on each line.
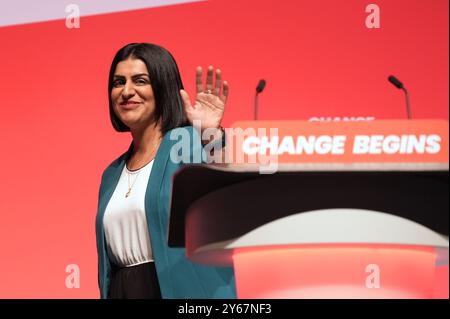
128, 193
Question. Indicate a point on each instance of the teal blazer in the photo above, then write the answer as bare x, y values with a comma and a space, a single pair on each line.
178, 277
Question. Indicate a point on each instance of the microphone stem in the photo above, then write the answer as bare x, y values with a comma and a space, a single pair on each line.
255, 115
407, 103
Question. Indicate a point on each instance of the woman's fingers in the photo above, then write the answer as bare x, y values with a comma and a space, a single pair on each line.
218, 82
186, 101
209, 78
225, 92
198, 80
214, 87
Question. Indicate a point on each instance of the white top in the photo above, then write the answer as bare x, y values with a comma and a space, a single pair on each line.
125, 222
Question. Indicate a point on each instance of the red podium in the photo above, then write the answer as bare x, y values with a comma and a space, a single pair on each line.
346, 224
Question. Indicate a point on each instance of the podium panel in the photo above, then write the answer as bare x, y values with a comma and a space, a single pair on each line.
323, 230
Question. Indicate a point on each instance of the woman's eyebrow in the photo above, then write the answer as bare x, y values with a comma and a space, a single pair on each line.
134, 76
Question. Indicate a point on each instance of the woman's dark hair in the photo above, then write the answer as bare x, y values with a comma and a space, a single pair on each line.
165, 81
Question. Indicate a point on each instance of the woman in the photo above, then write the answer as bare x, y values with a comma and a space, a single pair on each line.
146, 98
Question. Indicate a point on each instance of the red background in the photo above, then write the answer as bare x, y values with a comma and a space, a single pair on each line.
318, 58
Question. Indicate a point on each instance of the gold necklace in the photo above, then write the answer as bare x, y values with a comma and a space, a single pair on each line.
137, 173
131, 186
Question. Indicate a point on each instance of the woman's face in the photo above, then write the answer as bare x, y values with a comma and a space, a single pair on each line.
132, 94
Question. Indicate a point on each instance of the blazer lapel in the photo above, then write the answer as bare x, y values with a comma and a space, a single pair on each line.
154, 216
110, 182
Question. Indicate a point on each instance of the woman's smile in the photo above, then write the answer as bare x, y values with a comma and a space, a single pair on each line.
129, 105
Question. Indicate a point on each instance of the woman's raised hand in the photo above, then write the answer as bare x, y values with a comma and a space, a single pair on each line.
210, 99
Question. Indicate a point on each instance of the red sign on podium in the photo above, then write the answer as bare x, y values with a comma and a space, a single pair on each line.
381, 141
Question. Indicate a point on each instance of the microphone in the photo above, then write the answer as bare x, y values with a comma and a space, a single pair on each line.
399, 85
259, 89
